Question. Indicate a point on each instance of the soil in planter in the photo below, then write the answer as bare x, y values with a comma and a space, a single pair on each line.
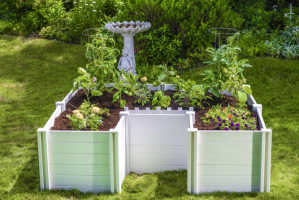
104, 101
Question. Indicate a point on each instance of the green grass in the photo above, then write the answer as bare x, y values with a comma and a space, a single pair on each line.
32, 79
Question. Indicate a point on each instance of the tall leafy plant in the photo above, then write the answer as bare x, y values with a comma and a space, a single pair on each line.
227, 72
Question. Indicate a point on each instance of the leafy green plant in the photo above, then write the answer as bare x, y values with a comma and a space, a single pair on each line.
188, 94
161, 100
120, 87
230, 118
142, 96
88, 115
130, 81
227, 72
165, 77
100, 71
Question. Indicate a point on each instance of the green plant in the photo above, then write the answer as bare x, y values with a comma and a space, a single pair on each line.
161, 100
117, 96
165, 77
189, 94
100, 71
142, 96
230, 118
130, 81
88, 115
186, 34
227, 72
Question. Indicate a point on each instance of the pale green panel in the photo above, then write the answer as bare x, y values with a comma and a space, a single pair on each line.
87, 170
88, 148
86, 189
230, 136
228, 181
229, 148
80, 159
228, 170
78, 136
228, 159
84, 181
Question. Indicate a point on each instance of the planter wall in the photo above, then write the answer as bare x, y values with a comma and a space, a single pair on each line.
146, 141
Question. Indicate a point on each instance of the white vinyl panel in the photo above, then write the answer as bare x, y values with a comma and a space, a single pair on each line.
228, 170
84, 148
151, 169
81, 170
157, 140
228, 181
51, 121
82, 159
85, 189
228, 148
158, 160
228, 159
178, 129
230, 136
78, 136
84, 181
228, 189
158, 150
148, 119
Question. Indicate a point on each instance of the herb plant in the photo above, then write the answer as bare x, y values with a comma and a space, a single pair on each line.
230, 118
88, 115
161, 100
142, 96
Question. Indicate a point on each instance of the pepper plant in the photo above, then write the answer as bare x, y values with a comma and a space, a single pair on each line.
228, 71
188, 94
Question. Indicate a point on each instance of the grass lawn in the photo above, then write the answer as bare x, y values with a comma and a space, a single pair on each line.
35, 73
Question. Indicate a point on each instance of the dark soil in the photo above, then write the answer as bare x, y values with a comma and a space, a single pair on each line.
104, 101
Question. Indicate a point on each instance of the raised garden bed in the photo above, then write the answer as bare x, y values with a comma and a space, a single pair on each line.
147, 140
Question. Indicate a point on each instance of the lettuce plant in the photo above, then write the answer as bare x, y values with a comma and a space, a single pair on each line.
230, 118
161, 100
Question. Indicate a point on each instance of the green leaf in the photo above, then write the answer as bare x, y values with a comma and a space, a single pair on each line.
115, 97
156, 83
161, 77
122, 103
96, 93
215, 92
82, 71
242, 97
247, 90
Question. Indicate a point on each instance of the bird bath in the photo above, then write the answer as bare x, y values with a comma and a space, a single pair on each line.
128, 30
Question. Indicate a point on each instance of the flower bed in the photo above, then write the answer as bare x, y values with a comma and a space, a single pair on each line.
149, 141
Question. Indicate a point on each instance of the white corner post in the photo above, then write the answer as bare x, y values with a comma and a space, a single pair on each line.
43, 159
127, 139
129, 45
266, 160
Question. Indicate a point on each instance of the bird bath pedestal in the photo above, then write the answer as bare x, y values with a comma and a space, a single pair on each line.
128, 30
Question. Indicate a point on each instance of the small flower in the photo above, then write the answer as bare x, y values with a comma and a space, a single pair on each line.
233, 108
96, 109
243, 117
94, 10
256, 127
94, 79
226, 129
177, 76
144, 79
219, 120
219, 124
207, 116
237, 125
21, 0
226, 119
246, 125
230, 127
232, 123
230, 116
223, 121
76, 111
134, 51
212, 121
79, 116
92, 115
138, 49
237, 115
210, 109
224, 109
237, 128
253, 123
233, 76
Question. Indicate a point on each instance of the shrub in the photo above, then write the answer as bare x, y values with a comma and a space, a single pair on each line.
186, 33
